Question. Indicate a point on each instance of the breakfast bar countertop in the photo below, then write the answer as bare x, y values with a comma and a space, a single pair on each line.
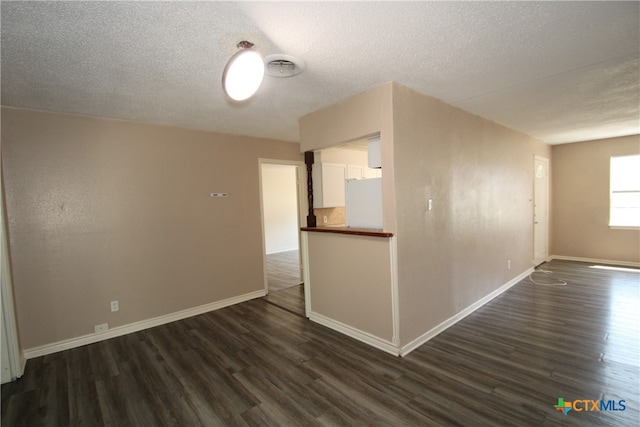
349, 230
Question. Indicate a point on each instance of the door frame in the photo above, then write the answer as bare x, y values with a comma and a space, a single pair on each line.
301, 190
544, 160
8, 320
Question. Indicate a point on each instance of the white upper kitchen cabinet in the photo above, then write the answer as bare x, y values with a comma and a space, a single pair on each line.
373, 151
328, 185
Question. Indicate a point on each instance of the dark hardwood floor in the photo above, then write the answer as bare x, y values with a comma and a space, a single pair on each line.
257, 364
283, 270
290, 299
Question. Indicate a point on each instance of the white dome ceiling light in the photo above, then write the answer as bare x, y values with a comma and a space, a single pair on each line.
243, 73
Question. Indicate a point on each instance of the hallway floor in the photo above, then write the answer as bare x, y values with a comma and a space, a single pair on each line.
283, 270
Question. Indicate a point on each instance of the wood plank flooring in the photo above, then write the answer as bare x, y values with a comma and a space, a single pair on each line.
290, 299
283, 270
259, 365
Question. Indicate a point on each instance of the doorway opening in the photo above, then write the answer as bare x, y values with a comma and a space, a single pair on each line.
280, 186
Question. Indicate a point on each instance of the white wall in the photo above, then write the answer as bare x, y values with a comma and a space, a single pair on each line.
280, 207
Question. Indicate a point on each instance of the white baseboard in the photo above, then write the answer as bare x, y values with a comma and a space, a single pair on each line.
43, 350
596, 261
355, 333
408, 348
279, 251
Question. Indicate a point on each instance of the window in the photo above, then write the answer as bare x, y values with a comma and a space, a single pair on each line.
625, 191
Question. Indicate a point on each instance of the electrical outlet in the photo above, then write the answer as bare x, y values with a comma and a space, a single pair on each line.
103, 327
508, 264
325, 219
114, 306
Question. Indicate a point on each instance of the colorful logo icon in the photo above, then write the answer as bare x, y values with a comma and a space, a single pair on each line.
563, 406
587, 405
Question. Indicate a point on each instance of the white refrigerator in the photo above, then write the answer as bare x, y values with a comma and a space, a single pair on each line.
363, 203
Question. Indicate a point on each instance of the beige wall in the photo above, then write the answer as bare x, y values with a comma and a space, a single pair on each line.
362, 115
101, 210
350, 283
369, 306
354, 118
480, 177
345, 155
580, 204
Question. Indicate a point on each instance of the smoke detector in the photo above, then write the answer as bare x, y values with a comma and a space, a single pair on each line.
280, 65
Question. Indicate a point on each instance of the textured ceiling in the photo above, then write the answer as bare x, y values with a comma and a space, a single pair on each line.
560, 71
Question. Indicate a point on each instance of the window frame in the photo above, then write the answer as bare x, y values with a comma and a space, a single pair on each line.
613, 191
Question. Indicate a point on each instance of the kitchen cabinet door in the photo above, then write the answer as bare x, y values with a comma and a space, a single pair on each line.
328, 185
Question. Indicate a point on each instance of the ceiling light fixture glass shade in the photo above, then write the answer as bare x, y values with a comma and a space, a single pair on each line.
243, 74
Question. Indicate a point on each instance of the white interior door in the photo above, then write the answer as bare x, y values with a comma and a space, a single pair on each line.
541, 210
